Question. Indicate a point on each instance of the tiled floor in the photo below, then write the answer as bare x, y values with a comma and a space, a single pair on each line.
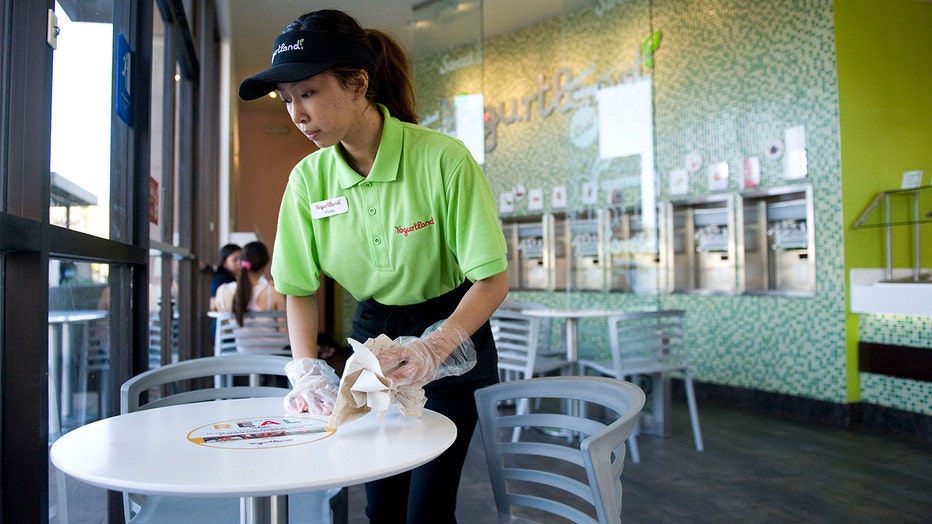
754, 469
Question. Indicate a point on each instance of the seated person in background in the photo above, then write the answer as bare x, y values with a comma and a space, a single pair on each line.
252, 291
226, 271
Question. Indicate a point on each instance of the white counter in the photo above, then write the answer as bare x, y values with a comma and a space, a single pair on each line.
870, 295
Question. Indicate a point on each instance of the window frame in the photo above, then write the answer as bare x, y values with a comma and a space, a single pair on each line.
28, 241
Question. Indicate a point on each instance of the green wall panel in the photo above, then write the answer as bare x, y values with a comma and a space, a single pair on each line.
885, 70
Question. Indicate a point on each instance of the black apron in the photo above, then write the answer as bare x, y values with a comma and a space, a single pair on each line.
373, 319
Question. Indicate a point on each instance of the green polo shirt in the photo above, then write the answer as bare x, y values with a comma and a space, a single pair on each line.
422, 222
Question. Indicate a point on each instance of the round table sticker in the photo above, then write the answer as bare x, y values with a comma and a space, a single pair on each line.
259, 433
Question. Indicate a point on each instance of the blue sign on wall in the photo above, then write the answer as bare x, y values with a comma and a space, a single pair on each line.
123, 77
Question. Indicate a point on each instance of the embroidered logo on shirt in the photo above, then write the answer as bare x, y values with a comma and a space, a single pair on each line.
414, 227
326, 208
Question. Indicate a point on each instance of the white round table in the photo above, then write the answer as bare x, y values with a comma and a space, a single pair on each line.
157, 451
572, 315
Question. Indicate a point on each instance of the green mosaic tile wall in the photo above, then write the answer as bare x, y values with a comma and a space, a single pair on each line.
904, 330
730, 75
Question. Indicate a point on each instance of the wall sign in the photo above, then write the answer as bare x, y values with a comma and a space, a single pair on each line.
124, 65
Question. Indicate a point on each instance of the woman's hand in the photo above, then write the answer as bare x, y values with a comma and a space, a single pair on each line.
315, 386
443, 350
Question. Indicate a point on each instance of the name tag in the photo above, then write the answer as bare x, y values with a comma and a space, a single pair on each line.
328, 208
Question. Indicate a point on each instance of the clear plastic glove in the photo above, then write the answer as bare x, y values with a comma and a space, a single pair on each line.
315, 386
443, 350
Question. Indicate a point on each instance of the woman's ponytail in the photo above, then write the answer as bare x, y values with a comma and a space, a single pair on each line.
242, 295
391, 83
254, 258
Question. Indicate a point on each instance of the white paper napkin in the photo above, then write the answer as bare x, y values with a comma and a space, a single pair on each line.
365, 388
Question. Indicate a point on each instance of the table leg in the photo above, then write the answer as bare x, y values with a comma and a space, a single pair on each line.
54, 419
66, 386
55, 361
572, 353
266, 510
658, 421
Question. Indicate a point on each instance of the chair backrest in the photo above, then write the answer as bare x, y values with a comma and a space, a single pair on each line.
172, 392
261, 332
516, 336
644, 342
545, 341
208, 367
542, 478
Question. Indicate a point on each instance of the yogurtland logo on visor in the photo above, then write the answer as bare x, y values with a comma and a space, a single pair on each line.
297, 46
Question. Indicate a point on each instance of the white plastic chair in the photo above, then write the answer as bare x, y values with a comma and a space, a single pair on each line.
545, 340
177, 383
156, 332
261, 332
644, 344
535, 481
516, 339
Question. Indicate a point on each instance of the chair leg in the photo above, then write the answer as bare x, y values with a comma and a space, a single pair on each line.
633, 443
633, 448
54, 417
693, 412
83, 384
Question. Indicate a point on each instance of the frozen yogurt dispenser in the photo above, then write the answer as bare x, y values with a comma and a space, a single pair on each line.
699, 246
631, 252
585, 245
778, 241
529, 247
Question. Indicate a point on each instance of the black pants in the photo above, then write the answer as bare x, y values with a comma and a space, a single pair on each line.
427, 494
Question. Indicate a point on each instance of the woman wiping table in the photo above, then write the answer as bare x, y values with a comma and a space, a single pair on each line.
400, 216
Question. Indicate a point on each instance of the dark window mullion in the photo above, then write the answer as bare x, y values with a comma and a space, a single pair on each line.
27, 87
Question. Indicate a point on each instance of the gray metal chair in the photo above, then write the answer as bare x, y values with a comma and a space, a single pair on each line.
648, 343
535, 481
178, 383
